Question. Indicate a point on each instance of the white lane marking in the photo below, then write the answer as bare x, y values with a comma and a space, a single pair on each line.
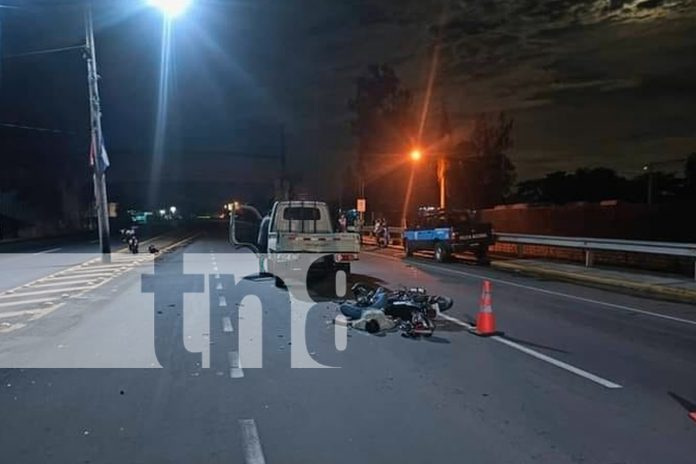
218, 286
227, 325
96, 275
46, 311
101, 267
543, 290
83, 274
88, 269
101, 277
236, 371
253, 453
222, 301
12, 328
19, 313
459, 322
575, 370
46, 251
63, 283
217, 276
215, 268
23, 302
94, 241
553, 361
44, 292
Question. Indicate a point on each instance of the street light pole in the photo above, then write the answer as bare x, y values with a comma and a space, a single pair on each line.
99, 166
442, 180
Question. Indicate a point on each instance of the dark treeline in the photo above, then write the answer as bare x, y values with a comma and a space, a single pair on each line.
599, 184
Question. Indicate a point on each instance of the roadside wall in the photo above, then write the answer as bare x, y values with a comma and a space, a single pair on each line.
609, 219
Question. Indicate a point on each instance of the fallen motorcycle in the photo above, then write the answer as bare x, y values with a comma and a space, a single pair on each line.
413, 308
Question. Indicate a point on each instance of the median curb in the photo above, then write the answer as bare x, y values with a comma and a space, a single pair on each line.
679, 294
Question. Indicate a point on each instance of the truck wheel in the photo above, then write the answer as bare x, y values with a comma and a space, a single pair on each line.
442, 253
407, 249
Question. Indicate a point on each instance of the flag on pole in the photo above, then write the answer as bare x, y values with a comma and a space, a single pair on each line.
103, 156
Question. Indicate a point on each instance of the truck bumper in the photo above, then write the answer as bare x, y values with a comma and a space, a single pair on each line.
463, 247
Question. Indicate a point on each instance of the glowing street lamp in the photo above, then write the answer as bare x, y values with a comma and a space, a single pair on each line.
416, 154
171, 8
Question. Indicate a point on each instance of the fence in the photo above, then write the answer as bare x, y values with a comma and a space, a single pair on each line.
680, 256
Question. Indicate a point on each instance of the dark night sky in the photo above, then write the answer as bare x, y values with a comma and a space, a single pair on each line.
594, 82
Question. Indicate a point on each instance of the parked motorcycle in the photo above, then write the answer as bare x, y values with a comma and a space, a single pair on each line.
414, 308
128, 236
133, 244
381, 232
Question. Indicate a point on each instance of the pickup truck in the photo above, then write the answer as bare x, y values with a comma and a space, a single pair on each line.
446, 232
294, 233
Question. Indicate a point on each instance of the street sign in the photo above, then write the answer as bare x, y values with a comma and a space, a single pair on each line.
361, 205
113, 209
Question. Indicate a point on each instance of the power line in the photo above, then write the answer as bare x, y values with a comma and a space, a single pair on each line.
45, 52
33, 128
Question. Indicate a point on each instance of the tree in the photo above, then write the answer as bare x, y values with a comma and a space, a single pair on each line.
382, 112
382, 123
483, 174
690, 174
585, 184
597, 184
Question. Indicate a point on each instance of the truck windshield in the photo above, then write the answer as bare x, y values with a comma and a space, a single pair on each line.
456, 218
301, 213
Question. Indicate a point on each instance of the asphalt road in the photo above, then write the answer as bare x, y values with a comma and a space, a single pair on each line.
580, 375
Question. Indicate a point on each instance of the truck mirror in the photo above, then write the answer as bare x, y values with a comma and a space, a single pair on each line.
244, 227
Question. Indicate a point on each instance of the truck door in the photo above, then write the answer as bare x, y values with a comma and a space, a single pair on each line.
426, 234
245, 222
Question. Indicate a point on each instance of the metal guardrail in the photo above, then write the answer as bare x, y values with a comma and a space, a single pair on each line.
635, 246
588, 245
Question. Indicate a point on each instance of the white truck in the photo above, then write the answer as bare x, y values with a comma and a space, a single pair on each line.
292, 235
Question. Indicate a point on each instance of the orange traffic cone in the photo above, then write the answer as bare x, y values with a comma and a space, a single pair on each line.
485, 320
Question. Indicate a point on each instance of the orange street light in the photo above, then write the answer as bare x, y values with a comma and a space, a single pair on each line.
416, 154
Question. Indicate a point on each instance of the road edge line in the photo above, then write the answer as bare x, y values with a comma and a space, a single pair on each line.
542, 357
537, 289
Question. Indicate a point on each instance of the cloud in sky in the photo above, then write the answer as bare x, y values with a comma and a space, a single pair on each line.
589, 82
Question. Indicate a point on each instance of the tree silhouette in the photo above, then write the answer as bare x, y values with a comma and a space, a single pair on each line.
382, 124
382, 112
482, 174
597, 184
690, 175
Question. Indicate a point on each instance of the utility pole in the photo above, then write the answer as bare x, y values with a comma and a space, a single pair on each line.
100, 164
442, 180
442, 164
